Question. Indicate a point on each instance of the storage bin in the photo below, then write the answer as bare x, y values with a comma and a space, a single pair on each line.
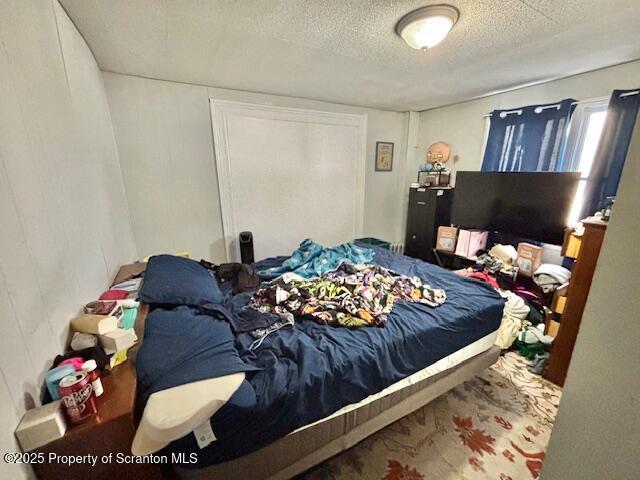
376, 242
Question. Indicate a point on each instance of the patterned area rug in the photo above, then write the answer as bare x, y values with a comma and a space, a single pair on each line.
495, 426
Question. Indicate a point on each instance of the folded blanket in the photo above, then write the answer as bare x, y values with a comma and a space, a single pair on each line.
351, 296
549, 277
313, 260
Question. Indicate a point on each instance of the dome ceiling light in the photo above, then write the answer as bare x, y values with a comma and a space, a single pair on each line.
426, 27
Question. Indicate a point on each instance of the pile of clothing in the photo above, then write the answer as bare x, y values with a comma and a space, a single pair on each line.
311, 259
522, 309
514, 316
353, 295
499, 260
549, 277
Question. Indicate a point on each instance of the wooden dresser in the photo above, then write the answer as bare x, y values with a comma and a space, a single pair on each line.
577, 293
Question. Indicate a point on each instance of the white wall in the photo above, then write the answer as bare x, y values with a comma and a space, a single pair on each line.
63, 213
463, 125
163, 132
597, 430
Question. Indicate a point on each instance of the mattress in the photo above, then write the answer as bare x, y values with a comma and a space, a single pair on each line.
287, 457
450, 361
313, 372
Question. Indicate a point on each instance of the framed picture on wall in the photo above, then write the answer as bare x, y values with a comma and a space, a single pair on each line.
384, 156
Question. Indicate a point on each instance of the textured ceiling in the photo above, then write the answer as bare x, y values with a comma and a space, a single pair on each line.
347, 52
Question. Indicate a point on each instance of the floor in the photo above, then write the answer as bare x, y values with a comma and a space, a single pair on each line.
495, 426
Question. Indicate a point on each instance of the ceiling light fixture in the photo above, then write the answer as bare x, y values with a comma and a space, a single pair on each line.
426, 27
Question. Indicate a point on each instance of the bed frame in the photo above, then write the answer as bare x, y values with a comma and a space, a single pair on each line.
307, 447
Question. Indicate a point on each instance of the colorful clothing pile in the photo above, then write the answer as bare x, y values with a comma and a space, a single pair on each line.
351, 296
313, 260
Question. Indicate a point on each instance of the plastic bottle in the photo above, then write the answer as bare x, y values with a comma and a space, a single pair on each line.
91, 368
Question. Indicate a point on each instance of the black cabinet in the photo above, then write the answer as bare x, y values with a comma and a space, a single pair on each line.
429, 208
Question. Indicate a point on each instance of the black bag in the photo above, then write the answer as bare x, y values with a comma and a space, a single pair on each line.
241, 276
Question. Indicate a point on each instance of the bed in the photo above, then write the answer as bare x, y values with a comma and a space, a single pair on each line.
310, 391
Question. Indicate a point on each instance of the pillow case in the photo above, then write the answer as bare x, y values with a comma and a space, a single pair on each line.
182, 346
171, 280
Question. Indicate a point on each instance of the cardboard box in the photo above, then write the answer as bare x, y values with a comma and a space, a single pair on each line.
529, 258
470, 241
446, 239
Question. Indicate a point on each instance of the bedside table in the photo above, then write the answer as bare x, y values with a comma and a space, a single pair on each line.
110, 431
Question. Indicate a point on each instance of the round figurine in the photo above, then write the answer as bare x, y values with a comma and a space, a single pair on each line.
438, 154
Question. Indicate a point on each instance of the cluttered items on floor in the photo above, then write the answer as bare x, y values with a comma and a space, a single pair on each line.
529, 288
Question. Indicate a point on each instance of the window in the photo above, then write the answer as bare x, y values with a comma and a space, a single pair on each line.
583, 137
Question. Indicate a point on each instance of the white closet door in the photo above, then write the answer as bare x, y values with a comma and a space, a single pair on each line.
288, 174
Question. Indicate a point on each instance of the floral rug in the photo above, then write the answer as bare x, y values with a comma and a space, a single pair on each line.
495, 426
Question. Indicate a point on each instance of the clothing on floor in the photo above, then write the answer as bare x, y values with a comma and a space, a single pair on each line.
514, 313
483, 276
351, 296
489, 263
549, 277
531, 334
313, 260
538, 363
506, 253
529, 295
535, 316
497, 261
529, 350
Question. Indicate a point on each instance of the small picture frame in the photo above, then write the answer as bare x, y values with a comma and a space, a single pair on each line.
384, 156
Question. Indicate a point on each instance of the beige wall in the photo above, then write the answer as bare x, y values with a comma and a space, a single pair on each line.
463, 125
163, 132
597, 431
63, 215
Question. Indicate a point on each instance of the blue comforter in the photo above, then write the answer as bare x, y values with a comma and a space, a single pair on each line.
311, 259
308, 371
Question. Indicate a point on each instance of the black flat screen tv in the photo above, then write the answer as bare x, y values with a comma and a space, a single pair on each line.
530, 205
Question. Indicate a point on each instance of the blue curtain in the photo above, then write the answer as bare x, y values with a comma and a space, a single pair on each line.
528, 139
612, 150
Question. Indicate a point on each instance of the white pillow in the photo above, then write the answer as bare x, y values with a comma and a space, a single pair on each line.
173, 413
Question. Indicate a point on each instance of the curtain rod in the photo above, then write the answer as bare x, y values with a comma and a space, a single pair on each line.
622, 95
